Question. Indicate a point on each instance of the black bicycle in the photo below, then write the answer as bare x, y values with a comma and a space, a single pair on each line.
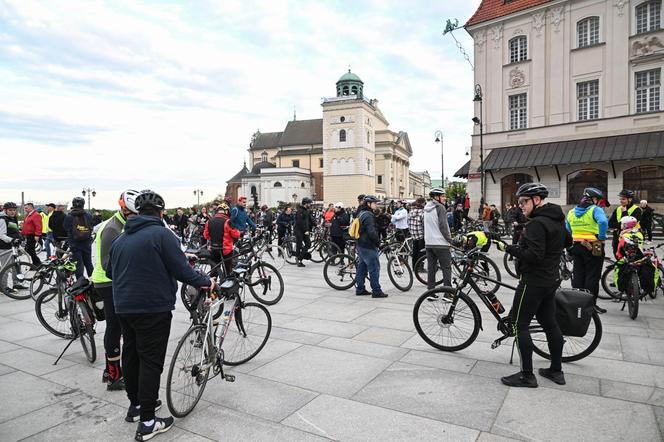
449, 320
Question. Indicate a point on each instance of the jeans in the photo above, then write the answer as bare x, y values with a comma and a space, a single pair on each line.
30, 244
82, 254
145, 338
439, 257
367, 261
47, 244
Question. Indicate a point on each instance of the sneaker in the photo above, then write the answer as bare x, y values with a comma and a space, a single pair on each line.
299, 264
379, 295
134, 413
556, 376
116, 385
363, 293
599, 309
520, 379
160, 425
104, 377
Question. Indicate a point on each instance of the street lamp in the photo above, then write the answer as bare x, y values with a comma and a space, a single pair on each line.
91, 193
198, 193
439, 139
479, 98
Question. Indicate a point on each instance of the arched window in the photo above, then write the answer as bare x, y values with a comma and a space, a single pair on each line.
518, 49
264, 157
579, 180
510, 184
277, 184
302, 184
646, 181
648, 16
342, 119
354, 90
253, 190
342, 135
345, 90
587, 31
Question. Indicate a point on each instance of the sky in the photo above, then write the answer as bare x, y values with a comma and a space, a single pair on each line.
165, 94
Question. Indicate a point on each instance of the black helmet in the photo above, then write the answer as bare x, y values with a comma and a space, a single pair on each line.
9, 205
626, 194
360, 197
149, 198
592, 192
370, 199
78, 203
436, 191
533, 189
306, 200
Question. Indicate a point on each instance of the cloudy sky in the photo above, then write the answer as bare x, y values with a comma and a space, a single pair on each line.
166, 94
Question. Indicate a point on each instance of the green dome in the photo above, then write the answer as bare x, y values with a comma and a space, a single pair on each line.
349, 76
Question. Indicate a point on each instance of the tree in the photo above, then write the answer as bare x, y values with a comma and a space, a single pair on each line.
455, 187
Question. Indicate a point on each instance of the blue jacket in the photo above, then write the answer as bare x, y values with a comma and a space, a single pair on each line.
598, 215
145, 262
68, 224
369, 238
240, 219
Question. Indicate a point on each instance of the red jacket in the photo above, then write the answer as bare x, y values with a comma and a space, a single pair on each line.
230, 234
466, 202
32, 224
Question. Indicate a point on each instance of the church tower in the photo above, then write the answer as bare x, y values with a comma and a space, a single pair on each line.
349, 126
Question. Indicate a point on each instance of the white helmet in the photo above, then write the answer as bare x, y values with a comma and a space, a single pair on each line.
339, 205
127, 200
628, 222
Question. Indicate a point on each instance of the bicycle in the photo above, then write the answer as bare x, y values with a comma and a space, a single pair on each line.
609, 286
510, 264
206, 347
449, 320
16, 275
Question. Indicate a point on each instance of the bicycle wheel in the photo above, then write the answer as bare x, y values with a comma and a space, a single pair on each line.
633, 295
36, 285
509, 262
53, 313
265, 283
443, 326
339, 271
15, 279
610, 289
327, 249
187, 378
487, 267
87, 336
248, 335
290, 247
400, 273
274, 255
575, 348
422, 271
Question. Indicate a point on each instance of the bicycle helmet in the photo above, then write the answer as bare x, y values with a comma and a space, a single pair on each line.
436, 191
306, 200
149, 198
78, 203
532, 189
370, 199
626, 194
127, 200
628, 222
222, 207
9, 205
69, 266
592, 192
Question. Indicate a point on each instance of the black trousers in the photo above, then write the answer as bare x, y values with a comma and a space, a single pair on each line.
145, 338
647, 231
536, 302
83, 257
340, 242
303, 245
113, 331
418, 246
587, 269
30, 244
401, 234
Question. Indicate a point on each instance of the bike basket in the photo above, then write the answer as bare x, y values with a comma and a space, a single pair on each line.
574, 310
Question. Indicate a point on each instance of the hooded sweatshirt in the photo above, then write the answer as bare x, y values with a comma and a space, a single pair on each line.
541, 246
145, 264
598, 215
436, 230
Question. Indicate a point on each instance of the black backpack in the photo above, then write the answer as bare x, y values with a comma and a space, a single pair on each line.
81, 229
574, 311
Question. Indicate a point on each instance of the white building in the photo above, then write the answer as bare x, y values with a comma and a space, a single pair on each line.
571, 97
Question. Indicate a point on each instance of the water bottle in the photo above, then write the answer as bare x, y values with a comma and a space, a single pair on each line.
495, 303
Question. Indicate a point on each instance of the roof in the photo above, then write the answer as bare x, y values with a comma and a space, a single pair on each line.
590, 150
490, 9
292, 152
297, 133
266, 140
238, 176
349, 76
463, 171
262, 165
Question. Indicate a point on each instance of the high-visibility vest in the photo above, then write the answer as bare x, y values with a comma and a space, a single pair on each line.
630, 210
99, 272
482, 239
584, 227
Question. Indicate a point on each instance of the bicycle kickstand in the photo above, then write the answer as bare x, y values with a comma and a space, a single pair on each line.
512, 355
63, 351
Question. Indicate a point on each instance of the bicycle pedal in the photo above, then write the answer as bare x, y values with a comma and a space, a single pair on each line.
229, 378
495, 344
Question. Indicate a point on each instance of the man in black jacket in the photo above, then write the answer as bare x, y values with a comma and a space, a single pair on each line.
367, 250
538, 254
285, 222
145, 264
304, 222
339, 226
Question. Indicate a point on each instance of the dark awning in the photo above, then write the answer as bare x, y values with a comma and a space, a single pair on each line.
591, 150
463, 172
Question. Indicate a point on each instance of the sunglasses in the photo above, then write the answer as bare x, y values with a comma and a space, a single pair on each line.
524, 201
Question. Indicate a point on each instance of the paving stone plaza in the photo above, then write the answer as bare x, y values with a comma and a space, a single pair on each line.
339, 367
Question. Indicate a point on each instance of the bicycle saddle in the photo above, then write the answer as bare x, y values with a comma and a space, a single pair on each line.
79, 286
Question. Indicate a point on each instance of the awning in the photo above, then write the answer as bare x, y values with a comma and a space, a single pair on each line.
640, 146
463, 172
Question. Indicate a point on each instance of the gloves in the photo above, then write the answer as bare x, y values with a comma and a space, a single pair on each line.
16, 242
500, 245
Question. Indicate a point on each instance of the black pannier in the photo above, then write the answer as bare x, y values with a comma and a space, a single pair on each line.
574, 310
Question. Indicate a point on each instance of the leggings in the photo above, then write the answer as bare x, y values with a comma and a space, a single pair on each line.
113, 329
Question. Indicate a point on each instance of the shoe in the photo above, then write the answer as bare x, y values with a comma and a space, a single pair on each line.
556, 376
520, 379
104, 377
599, 309
116, 385
134, 413
379, 295
364, 293
299, 264
160, 425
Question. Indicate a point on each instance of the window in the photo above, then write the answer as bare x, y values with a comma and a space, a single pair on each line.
342, 135
587, 99
379, 179
345, 90
320, 162
369, 165
518, 111
342, 119
648, 16
277, 184
264, 156
646, 181
354, 90
579, 180
296, 163
518, 49
510, 184
647, 84
588, 32
368, 137
302, 184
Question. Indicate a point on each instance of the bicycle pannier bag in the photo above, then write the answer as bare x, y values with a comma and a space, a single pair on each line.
574, 310
97, 304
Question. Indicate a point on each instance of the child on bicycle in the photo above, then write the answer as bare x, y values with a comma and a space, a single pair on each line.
477, 239
630, 249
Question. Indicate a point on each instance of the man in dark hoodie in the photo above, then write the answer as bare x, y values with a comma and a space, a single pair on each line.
304, 222
367, 250
538, 254
78, 225
145, 264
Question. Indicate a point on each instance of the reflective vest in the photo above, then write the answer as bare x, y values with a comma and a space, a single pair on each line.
482, 239
99, 272
584, 227
45, 219
630, 210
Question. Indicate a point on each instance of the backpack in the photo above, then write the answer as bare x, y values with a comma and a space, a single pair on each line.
81, 229
354, 229
574, 311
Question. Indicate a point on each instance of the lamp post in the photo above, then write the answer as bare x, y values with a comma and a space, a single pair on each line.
439, 139
479, 98
198, 193
91, 193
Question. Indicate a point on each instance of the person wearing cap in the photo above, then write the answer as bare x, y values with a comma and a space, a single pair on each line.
367, 250
647, 213
239, 216
9, 231
107, 232
587, 223
627, 207
145, 263
338, 226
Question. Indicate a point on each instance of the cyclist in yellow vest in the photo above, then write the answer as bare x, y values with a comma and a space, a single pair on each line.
46, 231
627, 207
477, 239
106, 234
588, 224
